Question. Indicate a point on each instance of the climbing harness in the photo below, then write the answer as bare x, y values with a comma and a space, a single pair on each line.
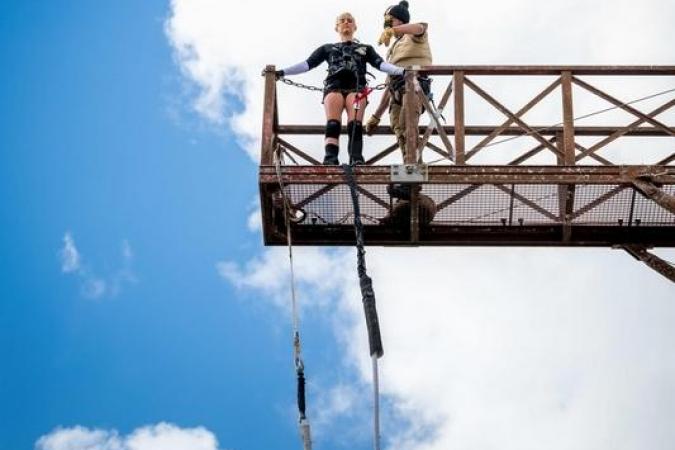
363, 93
347, 58
369, 307
303, 422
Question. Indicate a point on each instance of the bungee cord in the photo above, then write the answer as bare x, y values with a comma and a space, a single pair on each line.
303, 421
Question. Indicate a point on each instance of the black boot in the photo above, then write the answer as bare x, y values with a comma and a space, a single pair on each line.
355, 133
331, 157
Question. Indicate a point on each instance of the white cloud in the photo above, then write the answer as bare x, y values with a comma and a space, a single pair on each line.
223, 55
163, 436
254, 221
495, 348
70, 256
484, 348
316, 271
93, 286
79, 438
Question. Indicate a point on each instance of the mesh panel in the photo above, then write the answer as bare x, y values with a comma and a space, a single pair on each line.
332, 204
602, 205
649, 213
618, 205
481, 205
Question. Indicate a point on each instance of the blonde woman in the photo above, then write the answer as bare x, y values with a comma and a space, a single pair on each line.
346, 77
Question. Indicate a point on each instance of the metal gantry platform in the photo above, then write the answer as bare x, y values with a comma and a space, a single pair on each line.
583, 198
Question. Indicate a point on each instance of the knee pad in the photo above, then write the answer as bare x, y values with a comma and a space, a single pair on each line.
333, 128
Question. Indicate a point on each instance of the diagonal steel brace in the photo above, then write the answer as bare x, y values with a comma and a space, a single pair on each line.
640, 253
653, 192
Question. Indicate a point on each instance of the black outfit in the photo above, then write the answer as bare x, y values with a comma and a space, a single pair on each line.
346, 65
346, 74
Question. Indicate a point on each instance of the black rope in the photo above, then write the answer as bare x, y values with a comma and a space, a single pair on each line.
300, 372
301, 394
367, 293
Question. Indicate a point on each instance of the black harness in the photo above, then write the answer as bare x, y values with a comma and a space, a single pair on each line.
347, 65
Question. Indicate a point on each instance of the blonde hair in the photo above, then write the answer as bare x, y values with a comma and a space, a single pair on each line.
344, 15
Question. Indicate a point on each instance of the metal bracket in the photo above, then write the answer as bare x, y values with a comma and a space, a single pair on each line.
409, 173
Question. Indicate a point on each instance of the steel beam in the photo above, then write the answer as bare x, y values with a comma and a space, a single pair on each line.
615, 175
486, 130
550, 70
653, 192
660, 265
269, 117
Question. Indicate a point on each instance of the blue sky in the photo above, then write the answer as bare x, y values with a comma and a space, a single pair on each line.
102, 146
96, 141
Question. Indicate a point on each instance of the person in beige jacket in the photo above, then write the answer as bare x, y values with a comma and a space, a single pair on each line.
410, 47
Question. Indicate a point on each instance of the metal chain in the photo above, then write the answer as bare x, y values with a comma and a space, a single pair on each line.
285, 80
300, 85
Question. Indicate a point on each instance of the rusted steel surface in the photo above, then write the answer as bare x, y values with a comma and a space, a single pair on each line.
440, 131
507, 204
662, 266
484, 130
459, 131
653, 192
548, 236
619, 104
293, 149
568, 119
387, 151
478, 174
503, 109
428, 130
566, 146
505, 126
628, 131
411, 128
269, 113
550, 70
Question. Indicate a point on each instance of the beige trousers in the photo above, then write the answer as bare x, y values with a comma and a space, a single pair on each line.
398, 120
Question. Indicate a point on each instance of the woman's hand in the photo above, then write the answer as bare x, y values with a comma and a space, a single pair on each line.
371, 124
386, 36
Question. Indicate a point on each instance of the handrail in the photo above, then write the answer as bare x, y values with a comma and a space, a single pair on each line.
559, 139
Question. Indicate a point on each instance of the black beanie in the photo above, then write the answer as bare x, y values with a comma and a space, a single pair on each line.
400, 11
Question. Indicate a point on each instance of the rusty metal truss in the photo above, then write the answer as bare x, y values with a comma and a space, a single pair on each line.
584, 197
